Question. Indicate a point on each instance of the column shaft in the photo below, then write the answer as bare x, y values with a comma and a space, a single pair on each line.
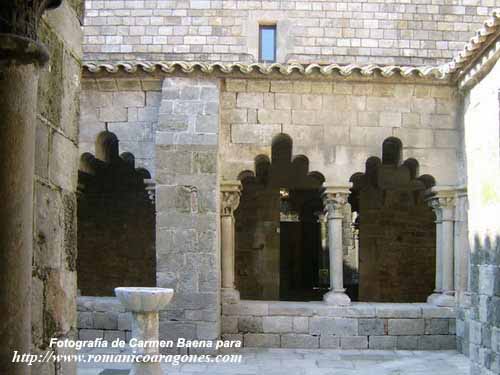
439, 257
18, 97
448, 284
230, 199
227, 245
443, 203
334, 202
336, 254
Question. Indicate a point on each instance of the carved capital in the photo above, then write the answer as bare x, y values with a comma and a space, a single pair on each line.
150, 189
230, 192
334, 201
19, 21
443, 204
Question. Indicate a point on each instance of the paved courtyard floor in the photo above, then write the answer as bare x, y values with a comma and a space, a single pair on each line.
315, 362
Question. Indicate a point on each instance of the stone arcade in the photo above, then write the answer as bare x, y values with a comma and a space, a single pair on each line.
341, 194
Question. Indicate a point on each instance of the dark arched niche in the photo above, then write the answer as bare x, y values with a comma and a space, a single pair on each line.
116, 221
397, 236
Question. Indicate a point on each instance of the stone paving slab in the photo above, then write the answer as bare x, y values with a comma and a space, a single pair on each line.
315, 362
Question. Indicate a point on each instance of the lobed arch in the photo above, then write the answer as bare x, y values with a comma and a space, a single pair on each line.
116, 218
280, 152
395, 227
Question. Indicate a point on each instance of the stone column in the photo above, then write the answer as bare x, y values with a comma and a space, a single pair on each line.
323, 230
21, 55
334, 200
443, 204
434, 203
230, 199
462, 249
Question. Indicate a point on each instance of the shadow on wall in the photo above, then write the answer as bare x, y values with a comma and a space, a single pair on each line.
397, 235
116, 221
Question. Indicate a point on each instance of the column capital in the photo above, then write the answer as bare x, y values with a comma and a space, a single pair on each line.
443, 202
19, 31
150, 185
230, 192
334, 200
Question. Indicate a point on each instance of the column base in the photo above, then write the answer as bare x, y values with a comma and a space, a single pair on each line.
442, 299
433, 297
230, 295
337, 298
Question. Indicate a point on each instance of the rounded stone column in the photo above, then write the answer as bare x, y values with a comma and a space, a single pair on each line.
439, 263
230, 199
443, 204
21, 55
334, 202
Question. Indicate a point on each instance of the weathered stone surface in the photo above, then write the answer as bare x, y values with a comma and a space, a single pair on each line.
438, 342
274, 324
105, 320
437, 326
333, 326
85, 320
63, 158
405, 327
354, 342
382, 342
250, 324
407, 342
299, 341
369, 327
265, 340
300, 324
399, 311
329, 342
229, 324
90, 334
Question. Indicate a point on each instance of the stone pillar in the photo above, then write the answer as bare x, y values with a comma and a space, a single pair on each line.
230, 199
443, 204
323, 260
334, 200
21, 55
439, 284
462, 248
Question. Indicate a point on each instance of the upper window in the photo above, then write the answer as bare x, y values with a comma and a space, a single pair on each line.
267, 41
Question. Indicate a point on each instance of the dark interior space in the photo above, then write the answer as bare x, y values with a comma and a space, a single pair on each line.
397, 232
116, 222
279, 253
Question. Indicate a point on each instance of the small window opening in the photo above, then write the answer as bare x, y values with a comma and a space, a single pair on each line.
267, 41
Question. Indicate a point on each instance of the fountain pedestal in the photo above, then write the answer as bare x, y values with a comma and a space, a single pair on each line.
145, 304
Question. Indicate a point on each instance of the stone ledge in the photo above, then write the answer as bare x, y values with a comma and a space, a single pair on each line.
404, 326
355, 310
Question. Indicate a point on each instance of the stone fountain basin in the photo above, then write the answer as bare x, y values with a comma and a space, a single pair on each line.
141, 299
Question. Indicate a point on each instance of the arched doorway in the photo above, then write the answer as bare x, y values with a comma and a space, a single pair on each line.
280, 252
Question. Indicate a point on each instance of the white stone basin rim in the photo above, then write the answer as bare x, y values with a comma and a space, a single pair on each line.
142, 299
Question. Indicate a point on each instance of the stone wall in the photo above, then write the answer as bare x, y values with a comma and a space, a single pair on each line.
338, 125
126, 107
56, 163
103, 317
481, 322
386, 32
312, 325
187, 205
